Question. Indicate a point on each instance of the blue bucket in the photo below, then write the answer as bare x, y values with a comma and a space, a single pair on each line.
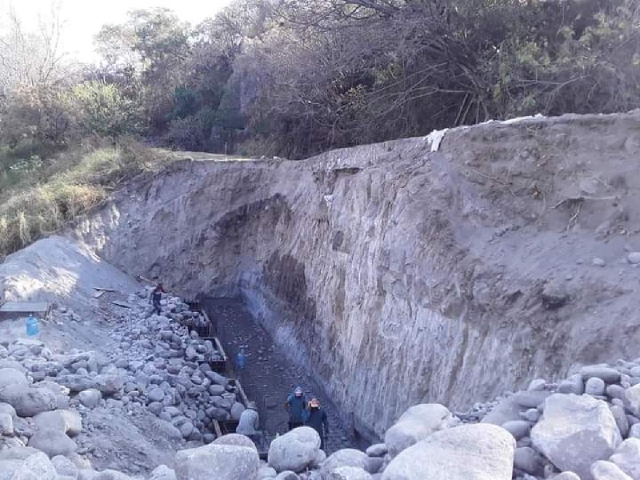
33, 327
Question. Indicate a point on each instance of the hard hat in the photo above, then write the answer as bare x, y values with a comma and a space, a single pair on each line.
298, 391
252, 406
315, 403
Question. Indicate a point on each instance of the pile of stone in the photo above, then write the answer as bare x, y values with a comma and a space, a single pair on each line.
156, 362
584, 427
166, 367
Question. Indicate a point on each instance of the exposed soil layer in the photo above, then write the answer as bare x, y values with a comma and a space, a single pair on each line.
399, 275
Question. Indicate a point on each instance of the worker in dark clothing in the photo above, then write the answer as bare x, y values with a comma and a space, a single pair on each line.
316, 418
156, 296
296, 405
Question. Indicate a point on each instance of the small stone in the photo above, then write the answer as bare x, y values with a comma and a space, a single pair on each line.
615, 391
633, 258
155, 408
377, 450
163, 473
567, 476
90, 398
574, 384
156, 395
532, 415
595, 386
517, 428
621, 419
52, 442
627, 457
604, 470
6, 424
608, 374
598, 262
528, 460
537, 385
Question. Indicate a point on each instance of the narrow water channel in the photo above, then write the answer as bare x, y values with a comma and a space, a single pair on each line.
268, 377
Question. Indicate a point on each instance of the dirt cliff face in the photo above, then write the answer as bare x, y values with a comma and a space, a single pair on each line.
401, 275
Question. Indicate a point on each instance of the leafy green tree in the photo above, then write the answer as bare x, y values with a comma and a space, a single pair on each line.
152, 45
100, 109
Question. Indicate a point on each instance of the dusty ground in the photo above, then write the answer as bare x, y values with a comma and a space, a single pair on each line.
62, 272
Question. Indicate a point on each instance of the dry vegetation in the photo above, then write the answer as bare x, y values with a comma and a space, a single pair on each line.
39, 201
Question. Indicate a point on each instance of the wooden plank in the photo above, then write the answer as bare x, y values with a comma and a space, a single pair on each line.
100, 289
243, 396
208, 320
121, 304
216, 429
218, 346
25, 307
99, 294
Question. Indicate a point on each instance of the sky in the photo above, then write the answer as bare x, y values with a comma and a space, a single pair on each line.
83, 18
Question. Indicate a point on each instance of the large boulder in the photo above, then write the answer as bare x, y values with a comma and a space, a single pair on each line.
28, 401
64, 466
416, 424
41, 466
222, 462
346, 457
469, 452
17, 453
235, 439
627, 457
11, 376
9, 467
575, 431
295, 450
52, 442
67, 421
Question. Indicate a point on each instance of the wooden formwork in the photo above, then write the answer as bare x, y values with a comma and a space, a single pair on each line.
225, 427
10, 310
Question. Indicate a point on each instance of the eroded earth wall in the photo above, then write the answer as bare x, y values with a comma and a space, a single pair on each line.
401, 275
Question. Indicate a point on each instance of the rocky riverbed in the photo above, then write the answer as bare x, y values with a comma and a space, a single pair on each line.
56, 406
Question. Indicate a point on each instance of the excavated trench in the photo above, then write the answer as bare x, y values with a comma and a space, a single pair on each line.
269, 375
400, 273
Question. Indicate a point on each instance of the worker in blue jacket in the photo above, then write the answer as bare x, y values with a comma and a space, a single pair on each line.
296, 405
317, 419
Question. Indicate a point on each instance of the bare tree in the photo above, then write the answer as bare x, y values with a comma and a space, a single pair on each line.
32, 58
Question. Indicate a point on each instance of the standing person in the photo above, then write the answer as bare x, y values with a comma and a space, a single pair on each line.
317, 419
249, 423
296, 405
156, 296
